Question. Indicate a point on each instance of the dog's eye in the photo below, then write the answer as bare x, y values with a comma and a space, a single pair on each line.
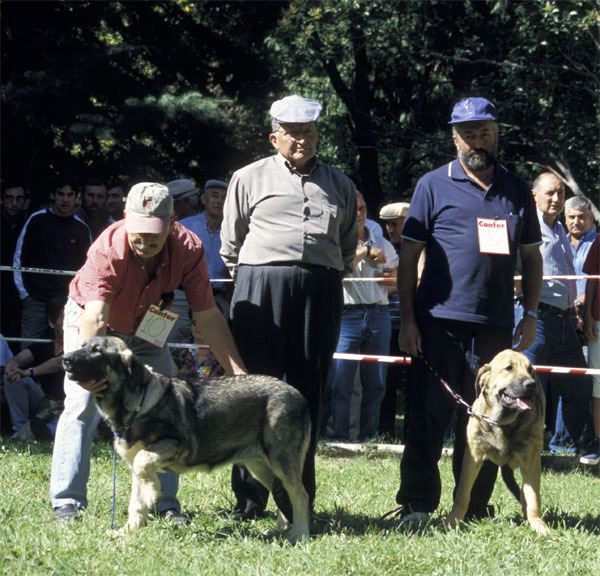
509, 368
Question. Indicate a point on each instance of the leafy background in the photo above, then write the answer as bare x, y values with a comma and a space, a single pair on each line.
160, 90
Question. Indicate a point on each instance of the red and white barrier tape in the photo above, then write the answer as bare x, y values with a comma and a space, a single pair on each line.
408, 360
355, 357
388, 280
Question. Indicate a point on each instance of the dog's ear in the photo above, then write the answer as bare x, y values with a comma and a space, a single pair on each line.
482, 378
135, 369
533, 373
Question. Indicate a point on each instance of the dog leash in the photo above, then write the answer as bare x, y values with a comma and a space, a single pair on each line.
116, 436
395, 512
457, 397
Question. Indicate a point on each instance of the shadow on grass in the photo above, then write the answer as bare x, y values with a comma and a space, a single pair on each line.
556, 518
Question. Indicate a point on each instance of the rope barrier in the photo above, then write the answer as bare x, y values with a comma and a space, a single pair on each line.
71, 273
348, 356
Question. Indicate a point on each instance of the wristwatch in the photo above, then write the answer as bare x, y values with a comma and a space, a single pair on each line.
532, 314
578, 303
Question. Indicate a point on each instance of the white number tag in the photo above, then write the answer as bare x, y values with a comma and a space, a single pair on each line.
493, 236
156, 326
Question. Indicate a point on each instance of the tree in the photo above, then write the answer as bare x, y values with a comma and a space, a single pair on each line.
392, 71
136, 90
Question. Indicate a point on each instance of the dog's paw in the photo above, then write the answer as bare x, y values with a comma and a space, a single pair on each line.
295, 536
539, 526
133, 523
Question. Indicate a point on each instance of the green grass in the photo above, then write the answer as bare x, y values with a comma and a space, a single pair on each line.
352, 495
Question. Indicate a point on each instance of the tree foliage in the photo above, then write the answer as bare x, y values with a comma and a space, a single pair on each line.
390, 72
180, 88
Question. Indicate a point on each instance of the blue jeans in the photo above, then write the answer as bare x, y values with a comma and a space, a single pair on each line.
366, 330
557, 344
78, 422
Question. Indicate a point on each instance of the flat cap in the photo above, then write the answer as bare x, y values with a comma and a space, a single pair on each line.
215, 184
394, 210
472, 109
180, 189
295, 109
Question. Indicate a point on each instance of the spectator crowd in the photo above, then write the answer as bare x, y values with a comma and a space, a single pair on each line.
281, 267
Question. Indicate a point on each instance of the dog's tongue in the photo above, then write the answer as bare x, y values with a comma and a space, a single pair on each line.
524, 403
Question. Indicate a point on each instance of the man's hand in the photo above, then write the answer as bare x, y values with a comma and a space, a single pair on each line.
94, 387
377, 256
590, 328
13, 372
525, 333
409, 338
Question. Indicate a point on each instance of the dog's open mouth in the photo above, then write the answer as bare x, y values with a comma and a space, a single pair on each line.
523, 402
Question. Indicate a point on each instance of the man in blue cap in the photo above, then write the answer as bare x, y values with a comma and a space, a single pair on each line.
288, 236
472, 217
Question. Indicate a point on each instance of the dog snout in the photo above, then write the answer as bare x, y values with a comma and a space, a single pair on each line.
529, 386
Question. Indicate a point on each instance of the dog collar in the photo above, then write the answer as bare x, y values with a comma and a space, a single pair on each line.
135, 413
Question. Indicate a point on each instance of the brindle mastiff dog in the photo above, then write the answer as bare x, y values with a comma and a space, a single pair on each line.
509, 392
164, 424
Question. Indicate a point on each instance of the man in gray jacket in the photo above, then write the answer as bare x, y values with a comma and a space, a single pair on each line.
288, 236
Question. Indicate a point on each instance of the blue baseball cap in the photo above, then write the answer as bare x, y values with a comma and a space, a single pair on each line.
472, 109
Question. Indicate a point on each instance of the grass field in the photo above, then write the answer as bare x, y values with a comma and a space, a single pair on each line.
353, 493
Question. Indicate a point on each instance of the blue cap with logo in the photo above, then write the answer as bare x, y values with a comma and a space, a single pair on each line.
472, 109
295, 109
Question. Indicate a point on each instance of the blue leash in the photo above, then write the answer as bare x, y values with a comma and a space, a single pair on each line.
114, 490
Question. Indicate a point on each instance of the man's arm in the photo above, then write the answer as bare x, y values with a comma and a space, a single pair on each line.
235, 224
590, 328
409, 338
531, 285
210, 327
93, 323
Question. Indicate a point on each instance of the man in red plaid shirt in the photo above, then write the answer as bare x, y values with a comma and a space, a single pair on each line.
134, 264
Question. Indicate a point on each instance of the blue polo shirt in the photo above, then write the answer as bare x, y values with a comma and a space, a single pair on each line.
459, 281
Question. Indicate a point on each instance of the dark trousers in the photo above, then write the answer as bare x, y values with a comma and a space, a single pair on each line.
456, 350
285, 322
397, 381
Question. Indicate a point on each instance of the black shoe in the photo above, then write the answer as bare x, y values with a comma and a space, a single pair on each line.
249, 513
175, 517
41, 431
66, 512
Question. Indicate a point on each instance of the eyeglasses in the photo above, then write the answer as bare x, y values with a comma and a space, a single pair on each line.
296, 135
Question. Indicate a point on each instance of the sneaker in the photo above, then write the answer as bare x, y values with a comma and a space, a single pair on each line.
413, 521
591, 456
175, 517
66, 512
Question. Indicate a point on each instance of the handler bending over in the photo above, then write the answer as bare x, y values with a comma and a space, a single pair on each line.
135, 263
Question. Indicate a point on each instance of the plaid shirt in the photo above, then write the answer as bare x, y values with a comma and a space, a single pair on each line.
113, 274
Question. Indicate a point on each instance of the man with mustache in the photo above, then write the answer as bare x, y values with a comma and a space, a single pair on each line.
122, 290
472, 217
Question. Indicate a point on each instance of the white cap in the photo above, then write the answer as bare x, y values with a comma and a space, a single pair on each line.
295, 109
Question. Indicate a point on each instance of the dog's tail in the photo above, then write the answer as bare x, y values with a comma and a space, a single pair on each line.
508, 475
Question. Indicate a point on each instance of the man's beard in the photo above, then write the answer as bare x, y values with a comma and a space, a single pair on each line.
477, 160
